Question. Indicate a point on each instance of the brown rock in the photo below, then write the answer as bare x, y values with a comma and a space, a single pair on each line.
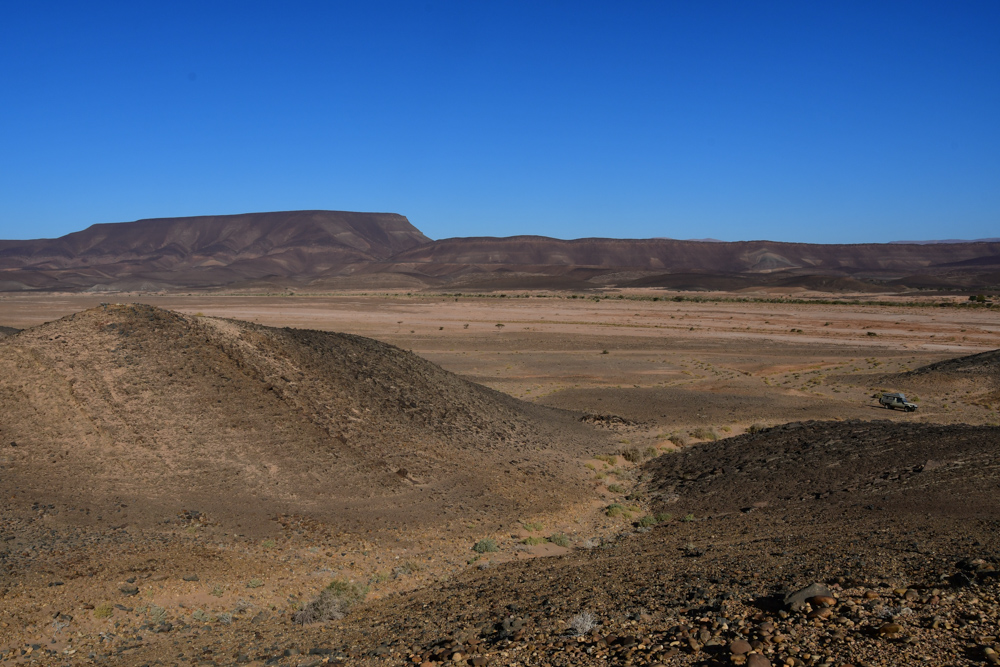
822, 601
739, 647
757, 660
890, 629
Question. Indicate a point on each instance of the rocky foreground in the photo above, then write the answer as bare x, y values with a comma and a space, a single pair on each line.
807, 544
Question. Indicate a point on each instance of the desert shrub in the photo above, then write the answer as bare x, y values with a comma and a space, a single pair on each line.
348, 591
648, 521
616, 488
559, 539
614, 509
104, 610
156, 614
268, 544
485, 545
409, 567
756, 428
610, 459
202, 617
663, 516
532, 541
226, 618
533, 527
688, 518
582, 623
703, 433
651, 452
327, 606
677, 439
380, 578
255, 583
632, 455
218, 591
872, 333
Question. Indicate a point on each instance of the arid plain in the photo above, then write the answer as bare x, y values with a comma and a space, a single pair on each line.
617, 388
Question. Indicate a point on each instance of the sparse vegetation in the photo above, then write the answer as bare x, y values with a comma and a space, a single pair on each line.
677, 440
533, 540
582, 623
268, 544
616, 488
688, 518
662, 517
632, 455
332, 602
104, 610
647, 521
704, 433
255, 583
486, 545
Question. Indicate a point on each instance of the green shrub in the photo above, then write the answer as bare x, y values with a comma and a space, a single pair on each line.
651, 452
533, 527
688, 518
616, 488
559, 539
485, 545
677, 440
268, 544
663, 516
614, 509
255, 583
647, 521
104, 610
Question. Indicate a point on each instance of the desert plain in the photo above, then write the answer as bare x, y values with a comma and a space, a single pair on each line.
633, 477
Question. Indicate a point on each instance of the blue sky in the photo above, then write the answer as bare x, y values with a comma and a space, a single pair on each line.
795, 121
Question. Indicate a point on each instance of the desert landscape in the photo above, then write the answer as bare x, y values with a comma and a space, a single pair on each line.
618, 476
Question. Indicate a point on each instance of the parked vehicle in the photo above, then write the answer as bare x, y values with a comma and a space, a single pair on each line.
896, 400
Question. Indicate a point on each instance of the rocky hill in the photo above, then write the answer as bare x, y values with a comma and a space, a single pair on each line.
132, 414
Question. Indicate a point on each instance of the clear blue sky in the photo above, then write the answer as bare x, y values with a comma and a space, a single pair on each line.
799, 121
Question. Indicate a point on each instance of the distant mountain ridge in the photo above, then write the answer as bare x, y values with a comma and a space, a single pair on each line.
323, 250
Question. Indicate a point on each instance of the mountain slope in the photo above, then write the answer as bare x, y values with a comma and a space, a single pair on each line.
341, 250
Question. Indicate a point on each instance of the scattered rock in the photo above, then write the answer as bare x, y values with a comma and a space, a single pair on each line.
797, 600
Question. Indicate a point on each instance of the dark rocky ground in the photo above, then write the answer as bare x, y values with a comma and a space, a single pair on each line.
898, 524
